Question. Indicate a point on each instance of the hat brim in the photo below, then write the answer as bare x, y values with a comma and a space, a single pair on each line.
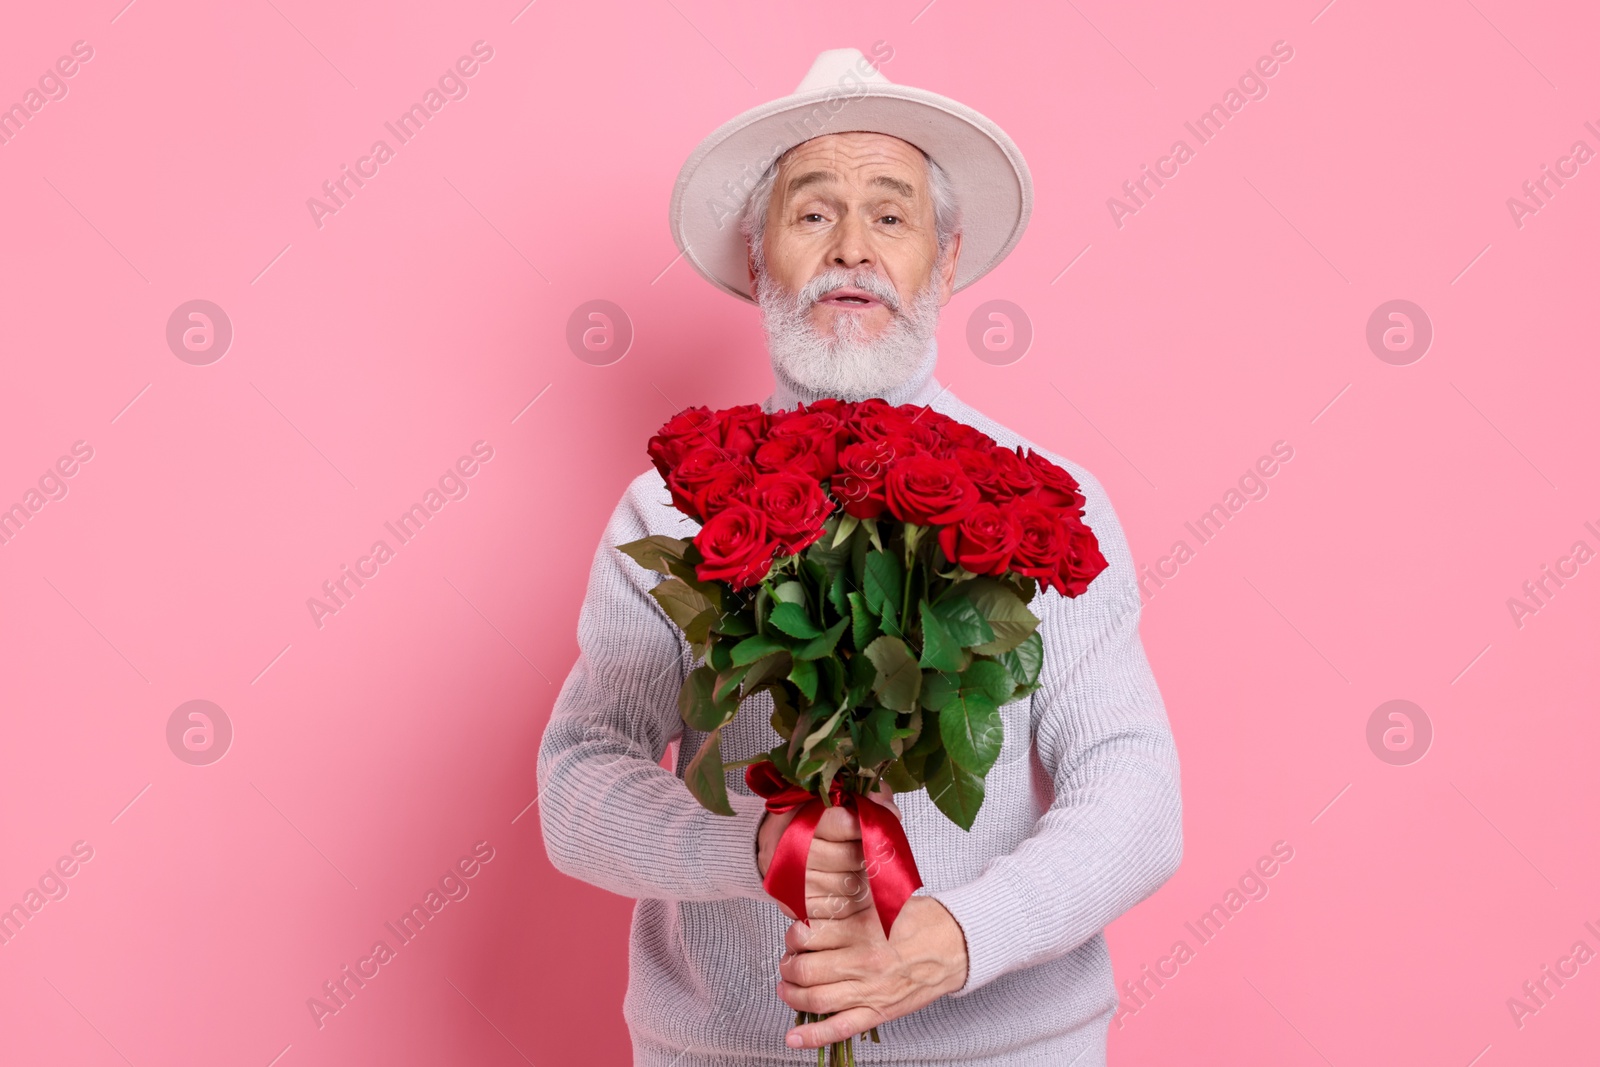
991, 181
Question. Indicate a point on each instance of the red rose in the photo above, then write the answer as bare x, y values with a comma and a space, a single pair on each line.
697, 470
839, 409
742, 428
875, 419
1083, 561
729, 486
815, 456
1013, 475
685, 431
983, 468
823, 429
735, 547
1043, 541
961, 435
795, 507
858, 483
982, 542
928, 491
1056, 486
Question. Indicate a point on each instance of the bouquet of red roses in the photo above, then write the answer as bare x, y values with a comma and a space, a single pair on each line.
869, 566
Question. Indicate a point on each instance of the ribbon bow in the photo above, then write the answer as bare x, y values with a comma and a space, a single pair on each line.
891, 871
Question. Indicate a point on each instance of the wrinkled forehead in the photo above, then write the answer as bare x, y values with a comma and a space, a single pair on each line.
862, 160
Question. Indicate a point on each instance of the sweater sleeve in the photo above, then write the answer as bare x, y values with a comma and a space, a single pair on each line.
610, 813
1113, 831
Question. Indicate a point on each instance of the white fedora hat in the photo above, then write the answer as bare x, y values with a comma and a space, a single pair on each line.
844, 91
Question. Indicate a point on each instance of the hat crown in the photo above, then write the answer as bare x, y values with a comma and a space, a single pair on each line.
835, 65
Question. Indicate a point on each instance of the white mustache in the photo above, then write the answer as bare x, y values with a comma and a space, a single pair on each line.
839, 278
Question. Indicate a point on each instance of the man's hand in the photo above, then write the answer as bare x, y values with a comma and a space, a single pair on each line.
846, 966
836, 883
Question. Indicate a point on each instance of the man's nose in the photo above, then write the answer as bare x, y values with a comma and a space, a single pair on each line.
850, 247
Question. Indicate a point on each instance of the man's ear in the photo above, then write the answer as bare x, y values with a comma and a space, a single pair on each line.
947, 270
750, 266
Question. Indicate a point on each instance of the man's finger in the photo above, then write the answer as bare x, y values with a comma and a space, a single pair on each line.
838, 824
845, 1024
835, 855
855, 928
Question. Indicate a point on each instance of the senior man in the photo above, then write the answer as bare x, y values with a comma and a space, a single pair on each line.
860, 207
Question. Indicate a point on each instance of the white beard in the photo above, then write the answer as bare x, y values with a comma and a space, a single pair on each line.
848, 363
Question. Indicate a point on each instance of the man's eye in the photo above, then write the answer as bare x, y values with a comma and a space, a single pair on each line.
808, 216
890, 218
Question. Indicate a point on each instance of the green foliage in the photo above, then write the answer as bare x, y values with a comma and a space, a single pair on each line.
884, 586
940, 650
823, 643
704, 776
791, 618
954, 790
697, 703
652, 553
899, 678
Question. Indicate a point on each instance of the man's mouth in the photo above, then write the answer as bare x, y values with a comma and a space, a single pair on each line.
850, 299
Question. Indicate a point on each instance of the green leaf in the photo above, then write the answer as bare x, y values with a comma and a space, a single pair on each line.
871, 526
698, 706
847, 526
900, 779
971, 729
938, 690
960, 617
823, 644
1005, 612
988, 677
734, 624
984, 676
791, 618
727, 683
821, 733
652, 552
699, 631
928, 741
830, 687
863, 621
684, 571
798, 727
899, 678
1024, 662
764, 671
872, 735
804, 675
704, 776
955, 790
682, 603
885, 585
837, 591
790, 592
940, 651
753, 648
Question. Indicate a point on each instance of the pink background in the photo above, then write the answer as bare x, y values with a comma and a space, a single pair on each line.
368, 354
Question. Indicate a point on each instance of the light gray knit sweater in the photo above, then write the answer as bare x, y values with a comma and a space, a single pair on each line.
1082, 820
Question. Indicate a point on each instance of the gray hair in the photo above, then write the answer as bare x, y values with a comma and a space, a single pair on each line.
946, 212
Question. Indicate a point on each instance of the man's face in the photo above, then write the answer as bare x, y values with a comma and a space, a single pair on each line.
858, 202
851, 282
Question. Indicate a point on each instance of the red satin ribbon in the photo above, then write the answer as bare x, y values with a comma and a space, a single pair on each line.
891, 871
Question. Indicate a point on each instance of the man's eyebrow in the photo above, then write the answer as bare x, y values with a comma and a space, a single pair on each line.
812, 177
902, 187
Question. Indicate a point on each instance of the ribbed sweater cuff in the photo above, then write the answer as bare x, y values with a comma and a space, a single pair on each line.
728, 848
993, 915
